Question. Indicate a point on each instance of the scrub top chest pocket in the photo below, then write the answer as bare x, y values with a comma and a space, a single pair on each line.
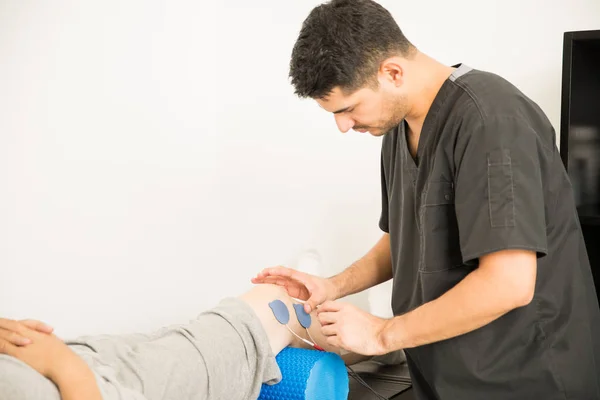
440, 244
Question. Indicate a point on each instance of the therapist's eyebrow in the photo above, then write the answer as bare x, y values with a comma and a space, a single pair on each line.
342, 110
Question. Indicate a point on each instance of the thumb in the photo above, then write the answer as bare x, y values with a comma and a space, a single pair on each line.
308, 306
312, 303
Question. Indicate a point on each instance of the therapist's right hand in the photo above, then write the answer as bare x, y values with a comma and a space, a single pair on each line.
14, 332
314, 290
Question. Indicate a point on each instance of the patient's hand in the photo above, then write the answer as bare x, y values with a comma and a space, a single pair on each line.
52, 358
46, 353
14, 331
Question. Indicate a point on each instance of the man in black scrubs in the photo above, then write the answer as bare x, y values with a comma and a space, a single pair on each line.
493, 295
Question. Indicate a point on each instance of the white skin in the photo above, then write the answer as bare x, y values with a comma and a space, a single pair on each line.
405, 90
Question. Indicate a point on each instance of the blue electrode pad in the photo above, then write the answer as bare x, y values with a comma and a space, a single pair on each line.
302, 316
280, 310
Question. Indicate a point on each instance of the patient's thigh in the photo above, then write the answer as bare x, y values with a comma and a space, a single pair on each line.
19, 381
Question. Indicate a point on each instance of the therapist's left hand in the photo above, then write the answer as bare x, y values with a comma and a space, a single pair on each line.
351, 328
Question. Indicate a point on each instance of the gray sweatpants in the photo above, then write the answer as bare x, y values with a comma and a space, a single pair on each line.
224, 354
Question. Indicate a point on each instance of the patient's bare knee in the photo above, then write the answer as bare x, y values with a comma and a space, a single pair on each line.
19, 381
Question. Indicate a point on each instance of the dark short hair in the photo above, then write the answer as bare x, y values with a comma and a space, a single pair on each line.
342, 43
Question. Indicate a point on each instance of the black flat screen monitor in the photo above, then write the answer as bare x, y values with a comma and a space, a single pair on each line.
580, 120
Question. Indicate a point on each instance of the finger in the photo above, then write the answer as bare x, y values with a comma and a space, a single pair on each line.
261, 277
7, 348
290, 274
297, 290
11, 325
298, 284
329, 330
295, 282
274, 271
274, 280
294, 289
267, 277
331, 306
14, 338
14, 332
258, 279
335, 341
263, 272
313, 301
37, 325
302, 286
327, 318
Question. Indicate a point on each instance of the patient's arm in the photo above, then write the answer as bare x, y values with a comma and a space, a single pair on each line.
280, 337
77, 382
52, 358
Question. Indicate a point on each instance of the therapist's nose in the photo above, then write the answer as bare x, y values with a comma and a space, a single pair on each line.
344, 123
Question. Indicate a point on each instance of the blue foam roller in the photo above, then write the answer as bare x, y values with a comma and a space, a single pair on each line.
308, 375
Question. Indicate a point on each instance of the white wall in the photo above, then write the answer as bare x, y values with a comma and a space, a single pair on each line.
154, 158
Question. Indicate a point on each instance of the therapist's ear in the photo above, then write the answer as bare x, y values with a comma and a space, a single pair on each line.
391, 71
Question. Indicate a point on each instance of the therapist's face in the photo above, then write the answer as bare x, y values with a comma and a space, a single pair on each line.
374, 110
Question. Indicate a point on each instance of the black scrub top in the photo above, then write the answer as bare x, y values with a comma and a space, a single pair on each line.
488, 177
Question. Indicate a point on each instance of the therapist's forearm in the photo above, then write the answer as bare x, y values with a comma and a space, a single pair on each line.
373, 268
474, 302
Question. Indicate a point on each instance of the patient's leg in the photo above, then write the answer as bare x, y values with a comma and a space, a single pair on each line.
227, 352
259, 298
